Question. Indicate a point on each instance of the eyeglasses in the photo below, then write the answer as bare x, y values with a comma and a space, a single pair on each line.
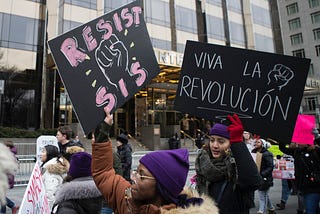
135, 176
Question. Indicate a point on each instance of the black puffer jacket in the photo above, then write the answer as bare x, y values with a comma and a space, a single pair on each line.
125, 154
266, 166
78, 196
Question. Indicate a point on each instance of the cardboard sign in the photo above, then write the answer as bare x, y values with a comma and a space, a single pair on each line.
302, 133
44, 140
104, 62
35, 199
264, 89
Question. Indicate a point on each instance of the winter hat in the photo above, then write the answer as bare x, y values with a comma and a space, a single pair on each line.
265, 144
123, 138
80, 165
170, 168
220, 130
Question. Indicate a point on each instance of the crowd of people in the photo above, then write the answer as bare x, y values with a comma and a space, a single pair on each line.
231, 168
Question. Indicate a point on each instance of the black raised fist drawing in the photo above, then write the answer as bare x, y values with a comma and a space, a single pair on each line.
280, 76
112, 54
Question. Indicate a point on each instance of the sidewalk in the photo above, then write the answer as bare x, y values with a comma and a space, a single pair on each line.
16, 194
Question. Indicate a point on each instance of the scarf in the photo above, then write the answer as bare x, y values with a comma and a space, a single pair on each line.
210, 169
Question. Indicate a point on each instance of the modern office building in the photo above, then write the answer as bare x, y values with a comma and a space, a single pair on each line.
33, 96
300, 27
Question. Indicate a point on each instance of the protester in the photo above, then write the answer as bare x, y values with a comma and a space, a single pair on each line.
79, 193
125, 153
10, 180
248, 140
64, 134
225, 169
307, 174
157, 184
266, 168
54, 169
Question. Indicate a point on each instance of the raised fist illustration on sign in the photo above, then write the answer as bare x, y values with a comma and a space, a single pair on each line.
112, 54
279, 76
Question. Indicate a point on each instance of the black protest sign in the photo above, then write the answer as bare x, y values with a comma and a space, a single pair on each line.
105, 62
264, 89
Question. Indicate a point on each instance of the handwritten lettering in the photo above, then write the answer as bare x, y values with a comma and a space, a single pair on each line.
204, 61
69, 48
214, 92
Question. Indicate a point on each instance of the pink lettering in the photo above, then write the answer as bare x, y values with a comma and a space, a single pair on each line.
127, 16
104, 26
70, 51
135, 69
88, 38
123, 88
117, 22
136, 11
102, 97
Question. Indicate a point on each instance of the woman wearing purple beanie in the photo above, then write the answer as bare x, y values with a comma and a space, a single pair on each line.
226, 170
157, 185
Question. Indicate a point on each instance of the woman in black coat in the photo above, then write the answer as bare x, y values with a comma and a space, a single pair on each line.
226, 170
266, 169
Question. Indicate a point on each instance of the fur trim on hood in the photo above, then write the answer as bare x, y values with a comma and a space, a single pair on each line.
208, 205
74, 149
79, 188
55, 166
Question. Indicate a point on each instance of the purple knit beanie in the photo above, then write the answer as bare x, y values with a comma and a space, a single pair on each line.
169, 167
80, 165
220, 130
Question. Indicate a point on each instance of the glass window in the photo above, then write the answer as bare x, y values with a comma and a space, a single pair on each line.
314, 3
234, 5
296, 39
19, 32
186, 19
215, 27
180, 47
311, 69
214, 2
261, 16
113, 4
318, 50
157, 12
316, 34
292, 8
294, 24
299, 53
69, 25
312, 103
91, 4
315, 17
161, 44
237, 33
263, 43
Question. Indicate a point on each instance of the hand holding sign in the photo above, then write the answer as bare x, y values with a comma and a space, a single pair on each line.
235, 129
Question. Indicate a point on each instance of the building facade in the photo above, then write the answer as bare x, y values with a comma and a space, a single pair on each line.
32, 94
300, 27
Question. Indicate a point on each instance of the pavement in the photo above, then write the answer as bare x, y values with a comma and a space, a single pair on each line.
16, 194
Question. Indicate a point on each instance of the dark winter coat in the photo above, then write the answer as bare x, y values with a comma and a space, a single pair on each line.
266, 168
236, 197
79, 196
302, 180
125, 154
63, 148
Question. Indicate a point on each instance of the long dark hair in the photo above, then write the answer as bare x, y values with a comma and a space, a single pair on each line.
52, 152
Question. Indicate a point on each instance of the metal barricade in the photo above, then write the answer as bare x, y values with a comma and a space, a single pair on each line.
26, 165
